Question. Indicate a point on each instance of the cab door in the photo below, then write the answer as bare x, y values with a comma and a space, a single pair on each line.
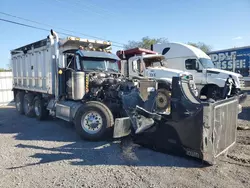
193, 66
137, 68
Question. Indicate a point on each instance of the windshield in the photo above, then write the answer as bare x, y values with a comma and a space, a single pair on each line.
153, 62
206, 63
99, 64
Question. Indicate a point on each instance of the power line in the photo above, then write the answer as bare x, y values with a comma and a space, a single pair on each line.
34, 27
48, 25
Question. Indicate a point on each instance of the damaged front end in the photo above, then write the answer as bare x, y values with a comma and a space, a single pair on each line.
193, 128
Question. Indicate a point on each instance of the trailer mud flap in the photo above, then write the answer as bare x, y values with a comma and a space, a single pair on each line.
193, 128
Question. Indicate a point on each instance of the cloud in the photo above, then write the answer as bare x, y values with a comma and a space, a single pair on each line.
237, 38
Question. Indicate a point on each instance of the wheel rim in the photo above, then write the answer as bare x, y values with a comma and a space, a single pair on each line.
37, 108
216, 94
162, 100
91, 122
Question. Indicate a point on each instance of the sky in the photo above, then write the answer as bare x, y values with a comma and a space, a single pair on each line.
220, 23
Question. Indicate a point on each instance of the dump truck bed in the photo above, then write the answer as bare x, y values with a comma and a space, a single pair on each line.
33, 67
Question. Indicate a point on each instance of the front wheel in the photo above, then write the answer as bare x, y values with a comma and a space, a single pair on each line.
214, 92
163, 100
92, 121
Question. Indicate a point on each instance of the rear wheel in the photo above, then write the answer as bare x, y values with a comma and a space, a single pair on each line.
40, 110
93, 120
19, 102
28, 105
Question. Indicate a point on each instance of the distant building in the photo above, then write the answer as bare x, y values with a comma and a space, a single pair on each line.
223, 59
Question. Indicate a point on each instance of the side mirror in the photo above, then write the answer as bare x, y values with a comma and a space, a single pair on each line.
197, 67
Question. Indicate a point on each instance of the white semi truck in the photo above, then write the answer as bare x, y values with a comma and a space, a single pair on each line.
209, 80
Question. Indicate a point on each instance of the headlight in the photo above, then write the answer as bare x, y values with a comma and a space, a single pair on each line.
242, 82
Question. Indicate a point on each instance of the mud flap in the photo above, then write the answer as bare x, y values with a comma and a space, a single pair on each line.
122, 127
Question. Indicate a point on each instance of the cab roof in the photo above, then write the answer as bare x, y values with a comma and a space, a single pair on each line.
175, 50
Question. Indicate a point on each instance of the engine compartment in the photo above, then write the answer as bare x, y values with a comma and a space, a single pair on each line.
108, 88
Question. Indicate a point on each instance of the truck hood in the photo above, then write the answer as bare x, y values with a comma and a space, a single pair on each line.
223, 72
163, 72
213, 73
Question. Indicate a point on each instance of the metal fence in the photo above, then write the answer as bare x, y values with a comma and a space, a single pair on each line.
6, 95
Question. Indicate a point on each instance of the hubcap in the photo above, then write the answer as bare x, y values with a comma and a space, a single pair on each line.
91, 122
162, 100
215, 94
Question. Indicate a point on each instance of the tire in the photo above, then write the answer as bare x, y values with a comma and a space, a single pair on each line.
19, 102
102, 120
214, 92
40, 110
28, 107
163, 99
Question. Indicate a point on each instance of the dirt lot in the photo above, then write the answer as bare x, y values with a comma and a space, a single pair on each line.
50, 154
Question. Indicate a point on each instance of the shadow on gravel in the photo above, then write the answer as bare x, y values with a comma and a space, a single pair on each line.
26, 128
245, 114
80, 152
107, 153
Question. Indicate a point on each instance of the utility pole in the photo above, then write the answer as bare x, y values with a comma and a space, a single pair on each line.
233, 57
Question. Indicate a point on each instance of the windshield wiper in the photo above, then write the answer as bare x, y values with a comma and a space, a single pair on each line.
95, 69
114, 70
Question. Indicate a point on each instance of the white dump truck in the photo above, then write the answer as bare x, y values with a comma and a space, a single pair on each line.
78, 80
74, 79
209, 80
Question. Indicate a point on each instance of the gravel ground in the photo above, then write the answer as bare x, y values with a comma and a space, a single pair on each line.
50, 154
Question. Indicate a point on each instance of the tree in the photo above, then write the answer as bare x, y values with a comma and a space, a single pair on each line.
9, 65
3, 70
145, 42
204, 47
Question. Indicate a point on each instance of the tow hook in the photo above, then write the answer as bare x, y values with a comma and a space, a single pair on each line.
242, 97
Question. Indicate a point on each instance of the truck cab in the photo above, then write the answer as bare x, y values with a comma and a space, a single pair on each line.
209, 80
143, 63
84, 63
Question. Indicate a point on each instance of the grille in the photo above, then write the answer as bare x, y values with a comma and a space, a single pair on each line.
242, 82
224, 129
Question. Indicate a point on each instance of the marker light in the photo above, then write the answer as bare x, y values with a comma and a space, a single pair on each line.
90, 45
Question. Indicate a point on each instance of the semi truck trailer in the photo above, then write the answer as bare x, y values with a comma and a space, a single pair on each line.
233, 59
